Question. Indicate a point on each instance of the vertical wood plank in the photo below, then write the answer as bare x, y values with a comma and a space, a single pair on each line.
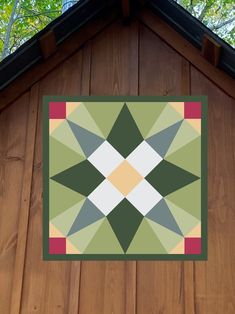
48, 286
160, 66
187, 266
131, 266
214, 279
185, 77
86, 69
13, 127
130, 287
74, 287
114, 71
44, 282
111, 62
24, 203
75, 272
159, 283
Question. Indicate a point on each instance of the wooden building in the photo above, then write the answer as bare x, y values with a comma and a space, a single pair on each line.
114, 48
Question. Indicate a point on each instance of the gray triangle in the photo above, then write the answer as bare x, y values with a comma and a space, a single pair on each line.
161, 141
161, 214
88, 141
88, 214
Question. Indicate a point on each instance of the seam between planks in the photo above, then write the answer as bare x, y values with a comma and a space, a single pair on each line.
25, 202
188, 266
76, 266
131, 266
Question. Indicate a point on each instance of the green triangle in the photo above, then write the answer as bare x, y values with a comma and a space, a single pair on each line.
185, 135
82, 117
166, 177
104, 114
125, 135
61, 198
145, 114
64, 134
82, 177
104, 241
82, 238
168, 238
64, 221
185, 221
188, 157
145, 241
188, 198
61, 157
125, 220
167, 117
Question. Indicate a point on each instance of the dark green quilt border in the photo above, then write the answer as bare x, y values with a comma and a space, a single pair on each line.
47, 256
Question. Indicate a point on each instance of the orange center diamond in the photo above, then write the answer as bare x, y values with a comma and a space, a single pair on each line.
125, 178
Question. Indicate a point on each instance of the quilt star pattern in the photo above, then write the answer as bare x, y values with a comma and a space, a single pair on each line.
123, 179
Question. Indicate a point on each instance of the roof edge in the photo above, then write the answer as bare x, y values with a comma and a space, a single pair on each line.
30, 53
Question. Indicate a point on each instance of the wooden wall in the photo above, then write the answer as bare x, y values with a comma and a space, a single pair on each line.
121, 60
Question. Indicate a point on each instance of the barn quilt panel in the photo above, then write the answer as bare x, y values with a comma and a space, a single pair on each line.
124, 178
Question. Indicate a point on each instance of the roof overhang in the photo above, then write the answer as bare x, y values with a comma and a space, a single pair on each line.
30, 55
193, 30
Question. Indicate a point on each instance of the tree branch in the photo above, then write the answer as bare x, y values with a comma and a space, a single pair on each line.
218, 26
9, 28
190, 9
37, 14
204, 11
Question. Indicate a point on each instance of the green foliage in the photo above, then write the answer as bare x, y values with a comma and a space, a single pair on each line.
30, 17
218, 15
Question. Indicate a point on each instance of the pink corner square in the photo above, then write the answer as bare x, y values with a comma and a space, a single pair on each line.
192, 245
57, 245
57, 110
192, 110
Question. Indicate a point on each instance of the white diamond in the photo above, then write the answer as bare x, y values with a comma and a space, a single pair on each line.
144, 197
144, 158
106, 197
105, 158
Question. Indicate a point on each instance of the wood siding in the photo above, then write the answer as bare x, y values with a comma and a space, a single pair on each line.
120, 60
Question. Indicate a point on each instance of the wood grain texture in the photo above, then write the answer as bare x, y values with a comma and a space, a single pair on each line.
215, 281
160, 66
159, 283
188, 51
131, 266
24, 202
114, 60
64, 51
13, 126
76, 266
111, 61
188, 268
121, 60
49, 286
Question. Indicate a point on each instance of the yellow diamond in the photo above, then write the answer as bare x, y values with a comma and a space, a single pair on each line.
125, 178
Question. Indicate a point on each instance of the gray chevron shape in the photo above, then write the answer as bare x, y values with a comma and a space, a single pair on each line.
88, 141
161, 141
88, 214
162, 215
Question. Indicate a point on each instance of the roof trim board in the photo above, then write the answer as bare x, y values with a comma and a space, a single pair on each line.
30, 55
30, 52
64, 50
